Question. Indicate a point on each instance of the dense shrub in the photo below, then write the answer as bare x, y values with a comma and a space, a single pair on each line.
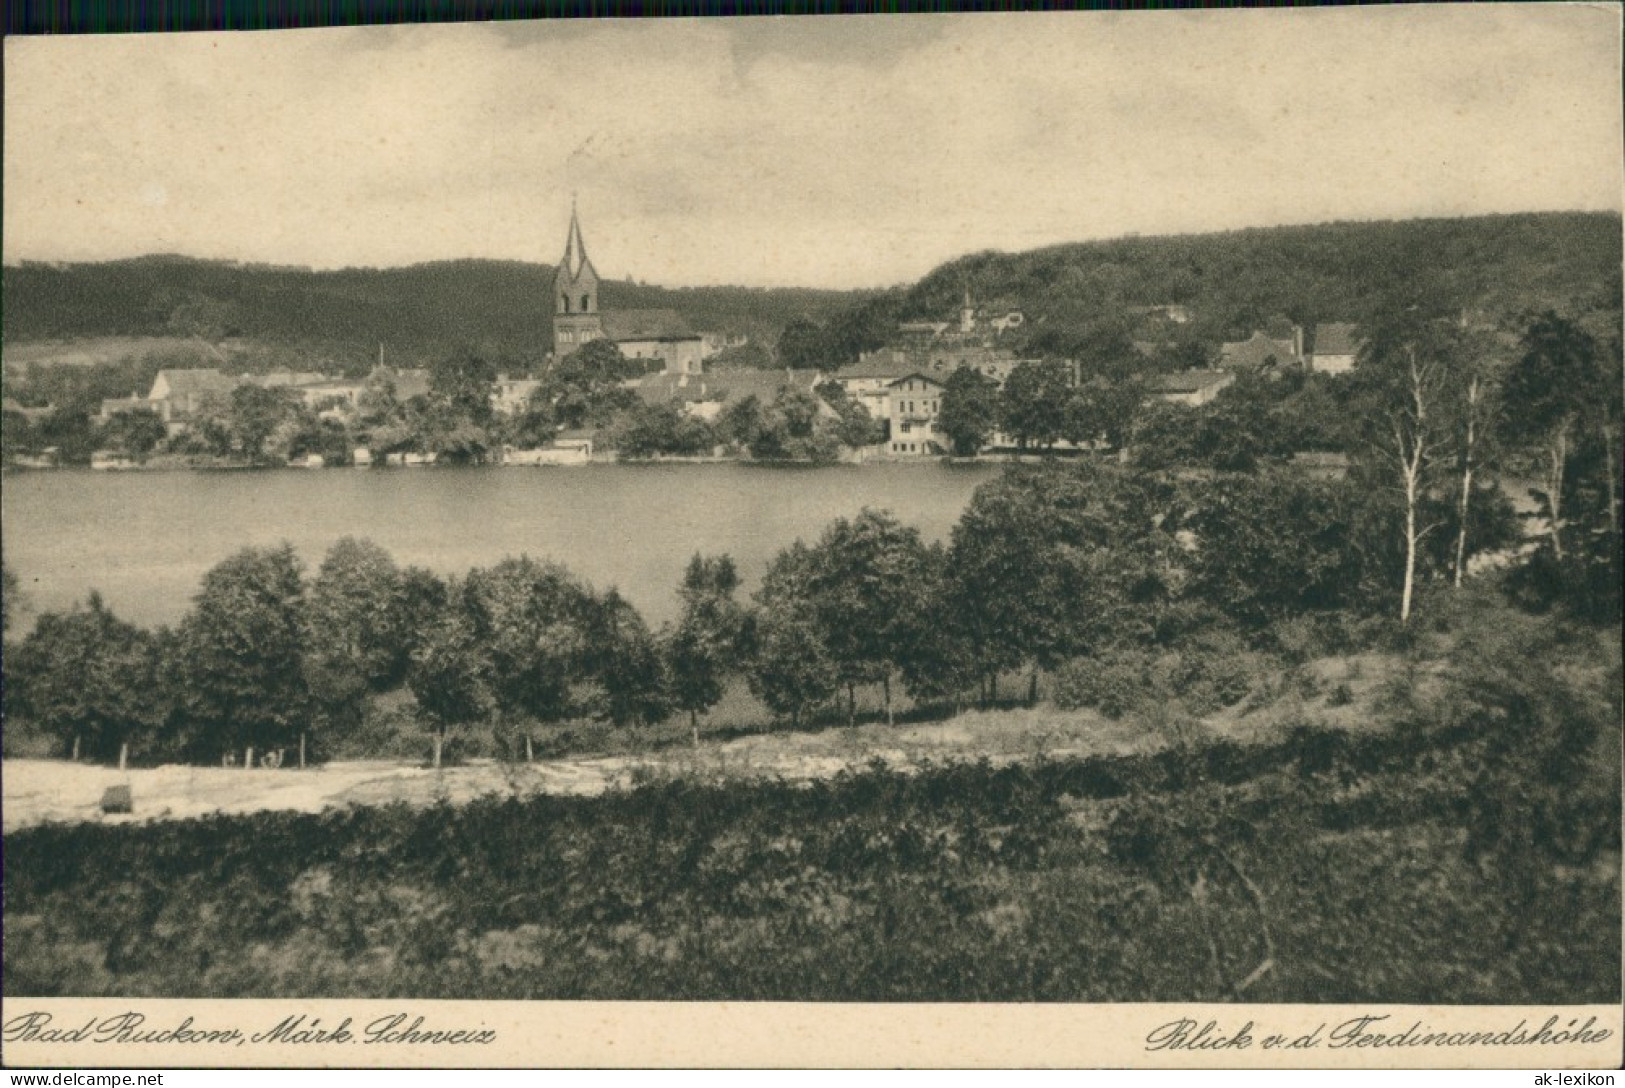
1211, 671
1113, 683
1153, 878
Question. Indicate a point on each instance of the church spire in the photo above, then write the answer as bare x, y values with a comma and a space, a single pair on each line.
575, 248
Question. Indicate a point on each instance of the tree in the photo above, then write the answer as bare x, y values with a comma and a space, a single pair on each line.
11, 598
17, 436
663, 429
795, 427
254, 414
464, 382
241, 661
536, 624
941, 664
324, 437
135, 433
856, 428
1048, 563
585, 387
740, 422
1166, 436
1477, 374
86, 678
1102, 408
970, 410
1548, 393
1274, 545
1405, 375
802, 345
535, 424
790, 671
863, 587
357, 636
624, 658
1032, 404
1237, 430
450, 677
704, 647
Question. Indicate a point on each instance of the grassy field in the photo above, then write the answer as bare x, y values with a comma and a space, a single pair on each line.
87, 351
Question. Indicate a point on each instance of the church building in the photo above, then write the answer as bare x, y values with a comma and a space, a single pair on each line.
640, 334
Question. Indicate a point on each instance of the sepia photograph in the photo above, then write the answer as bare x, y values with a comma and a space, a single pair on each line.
1098, 532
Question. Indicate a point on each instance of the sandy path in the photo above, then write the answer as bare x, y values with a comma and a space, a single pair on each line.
51, 790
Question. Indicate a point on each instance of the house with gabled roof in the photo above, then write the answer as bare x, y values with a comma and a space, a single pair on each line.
179, 394
1336, 348
1262, 354
869, 383
914, 401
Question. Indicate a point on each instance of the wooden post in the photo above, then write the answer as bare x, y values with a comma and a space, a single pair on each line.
123, 755
301, 749
530, 752
248, 758
76, 747
439, 741
886, 686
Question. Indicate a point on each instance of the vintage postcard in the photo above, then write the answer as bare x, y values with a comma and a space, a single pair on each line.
1052, 539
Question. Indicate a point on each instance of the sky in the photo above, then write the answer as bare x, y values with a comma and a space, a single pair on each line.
827, 151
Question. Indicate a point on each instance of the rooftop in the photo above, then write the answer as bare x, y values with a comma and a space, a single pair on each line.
1255, 352
1188, 381
1336, 338
196, 382
646, 325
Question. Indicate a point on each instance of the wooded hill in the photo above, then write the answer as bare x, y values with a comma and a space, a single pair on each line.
417, 312
1232, 283
1502, 266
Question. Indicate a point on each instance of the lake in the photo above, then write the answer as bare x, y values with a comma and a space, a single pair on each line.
145, 539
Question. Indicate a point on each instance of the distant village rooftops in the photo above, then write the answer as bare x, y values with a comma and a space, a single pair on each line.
733, 385
883, 365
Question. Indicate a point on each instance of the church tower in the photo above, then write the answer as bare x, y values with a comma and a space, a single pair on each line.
576, 320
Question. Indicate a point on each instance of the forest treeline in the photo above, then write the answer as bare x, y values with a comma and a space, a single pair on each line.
1072, 295
340, 317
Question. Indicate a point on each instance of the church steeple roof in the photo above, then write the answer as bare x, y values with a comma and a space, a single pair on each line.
575, 259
